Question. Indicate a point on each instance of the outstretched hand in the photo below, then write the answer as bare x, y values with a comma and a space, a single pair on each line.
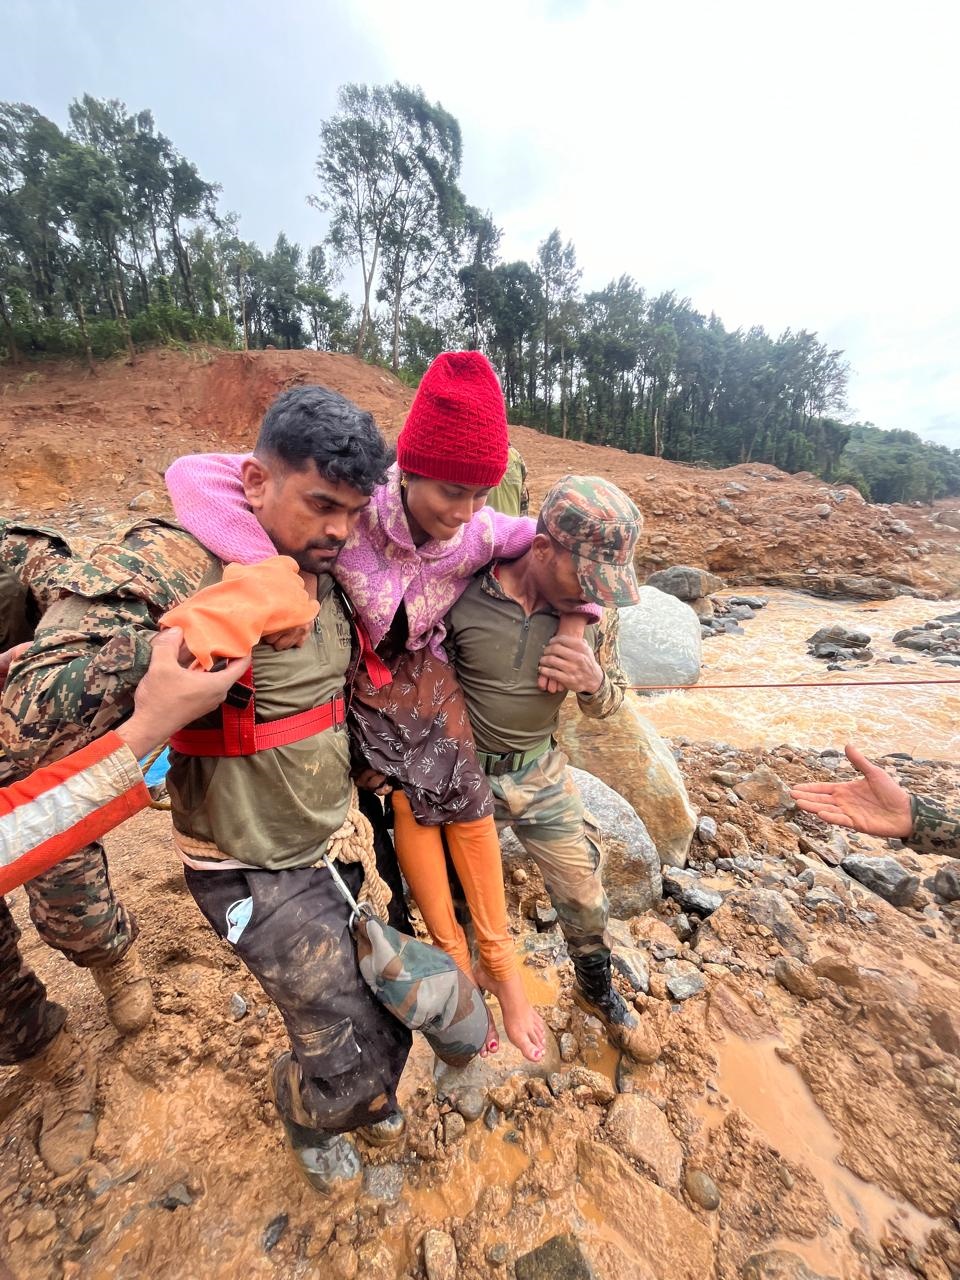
8, 657
873, 803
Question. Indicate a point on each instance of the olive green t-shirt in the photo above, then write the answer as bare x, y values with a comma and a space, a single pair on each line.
277, 808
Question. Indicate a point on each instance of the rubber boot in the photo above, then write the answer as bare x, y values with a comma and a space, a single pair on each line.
125, 988
328, 1161
68, 1128
386, 1131
596, 994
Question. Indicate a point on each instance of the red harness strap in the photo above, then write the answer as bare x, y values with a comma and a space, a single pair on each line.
378, 671
240, 735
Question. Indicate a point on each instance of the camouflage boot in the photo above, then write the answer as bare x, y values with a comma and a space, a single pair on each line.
596, 994
328, 1161
125, 988
386, 1131
68, 1128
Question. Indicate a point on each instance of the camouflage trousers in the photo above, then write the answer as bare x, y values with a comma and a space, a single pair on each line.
28, 1020
290, 929
543, 806
74, 910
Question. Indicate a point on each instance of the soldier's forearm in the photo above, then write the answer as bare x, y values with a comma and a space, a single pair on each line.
607, 699
934, 829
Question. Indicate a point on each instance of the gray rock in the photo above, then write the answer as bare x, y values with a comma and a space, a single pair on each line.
146, 501
544, 917
631, 872
454, 1127
840, 636
569, 1047
685, 582
238, 1006
682, 986
883, 876
779, 1264
946, 882
470, 1103
707, 829
752, 602
683, 887
702, 1189
660, 640
758, 906
559, 1258
176, 1196
383, 1182
632, 964
742, 612
822, 897
275, 1229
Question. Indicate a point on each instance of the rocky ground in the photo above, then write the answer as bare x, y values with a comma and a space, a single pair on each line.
804, 1118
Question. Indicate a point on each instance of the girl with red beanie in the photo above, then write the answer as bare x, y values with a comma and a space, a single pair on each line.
410, 557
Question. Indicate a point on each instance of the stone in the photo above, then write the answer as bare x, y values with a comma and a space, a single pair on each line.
638, 1129
796, 978
684, 985
660, 641
176, 1196
383, 1182
946, 881
778, 1264
454, 1127
682, 886
764, 789
945, 1029
685, 582
823, 510
544, 917
765, 907
274, 1230
238, 1006
470, 1104
631, 870
752, 602
667, 1236
883, 876
703, 608
627, 753
569, 1047
497, 1077
145, 501
707, 829
439, 1256
40, 1222
632, 964
702, 1189
559, 1258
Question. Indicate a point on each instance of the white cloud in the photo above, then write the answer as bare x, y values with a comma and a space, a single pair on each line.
780, 165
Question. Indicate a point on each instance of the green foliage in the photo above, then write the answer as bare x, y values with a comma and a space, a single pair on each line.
897, 466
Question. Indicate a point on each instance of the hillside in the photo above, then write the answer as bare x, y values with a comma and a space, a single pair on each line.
64, 433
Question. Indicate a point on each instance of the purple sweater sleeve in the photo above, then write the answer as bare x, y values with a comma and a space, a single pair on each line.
208, 500
512, 536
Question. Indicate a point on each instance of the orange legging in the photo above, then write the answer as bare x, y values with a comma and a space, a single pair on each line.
475, 850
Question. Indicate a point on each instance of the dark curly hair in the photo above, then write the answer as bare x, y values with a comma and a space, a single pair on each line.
315, 424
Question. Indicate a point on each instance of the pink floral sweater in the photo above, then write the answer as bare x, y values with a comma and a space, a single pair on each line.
379, 568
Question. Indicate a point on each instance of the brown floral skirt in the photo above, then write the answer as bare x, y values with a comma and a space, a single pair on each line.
416, 731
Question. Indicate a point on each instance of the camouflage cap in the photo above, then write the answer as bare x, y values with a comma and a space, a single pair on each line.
599, 525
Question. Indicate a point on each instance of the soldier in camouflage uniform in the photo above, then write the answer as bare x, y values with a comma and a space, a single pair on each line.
90, 623
878, 806
501, 637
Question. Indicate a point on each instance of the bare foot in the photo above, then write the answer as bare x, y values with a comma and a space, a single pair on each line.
492, 1042
523, 1025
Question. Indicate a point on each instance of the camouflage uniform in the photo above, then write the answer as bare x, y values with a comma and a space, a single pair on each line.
91, 647
934, 830
495, 650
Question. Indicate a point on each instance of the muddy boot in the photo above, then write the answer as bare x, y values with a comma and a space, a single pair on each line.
328, 1161
386, 1131
68, 1128
596, 994
126, 991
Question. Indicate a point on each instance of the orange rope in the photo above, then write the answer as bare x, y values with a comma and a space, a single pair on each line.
799, 684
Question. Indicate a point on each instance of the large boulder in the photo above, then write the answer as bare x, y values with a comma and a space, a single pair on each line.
883, 876
631, 868
627, 753
660, 640
685, 582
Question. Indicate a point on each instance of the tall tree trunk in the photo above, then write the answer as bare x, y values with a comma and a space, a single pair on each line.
85, 334
367, 287
122, 315
15, 357
395, 358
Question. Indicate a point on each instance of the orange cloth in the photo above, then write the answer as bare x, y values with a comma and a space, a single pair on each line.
227, 619
475, 851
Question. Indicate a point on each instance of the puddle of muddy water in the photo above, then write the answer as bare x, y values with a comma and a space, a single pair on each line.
924, 721
776, 1099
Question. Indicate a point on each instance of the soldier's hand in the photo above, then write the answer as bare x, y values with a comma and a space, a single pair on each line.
290, 638
170, 695
571, 663
8, 657
874, 803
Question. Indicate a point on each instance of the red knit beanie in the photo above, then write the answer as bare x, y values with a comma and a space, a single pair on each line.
456, 429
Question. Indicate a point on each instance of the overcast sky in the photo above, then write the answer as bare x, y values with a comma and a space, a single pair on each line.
780, 164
